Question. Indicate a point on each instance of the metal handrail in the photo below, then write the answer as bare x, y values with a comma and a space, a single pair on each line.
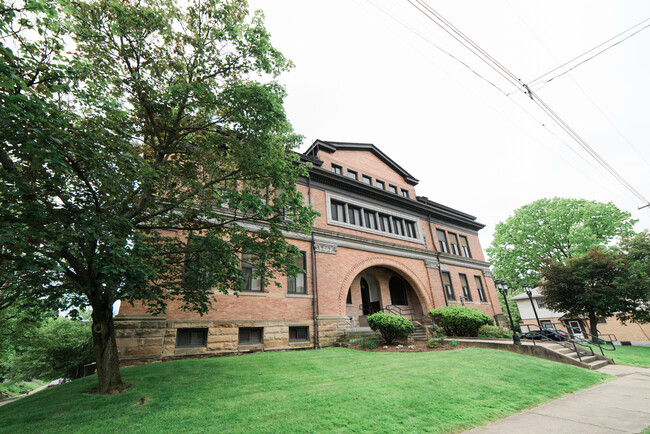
574, 344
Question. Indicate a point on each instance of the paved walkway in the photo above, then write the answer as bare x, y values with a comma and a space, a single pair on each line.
620, 405
16, 398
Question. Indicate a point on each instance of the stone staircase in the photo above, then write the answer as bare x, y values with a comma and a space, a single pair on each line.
420, 333
590, 362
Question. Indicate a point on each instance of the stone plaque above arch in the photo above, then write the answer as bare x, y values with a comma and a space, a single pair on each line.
325, 248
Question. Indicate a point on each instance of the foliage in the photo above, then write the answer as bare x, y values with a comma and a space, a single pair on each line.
9, 389
390, 327
453, 343
127, 128
372, 344
556, 228
58, 349
460, 320
490, 331
436, 339
583, 285
284, 392
635, 281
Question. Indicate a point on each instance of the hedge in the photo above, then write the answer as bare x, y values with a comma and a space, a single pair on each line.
391, 327
460, 320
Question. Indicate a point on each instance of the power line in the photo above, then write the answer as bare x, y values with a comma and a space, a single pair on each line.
440, 21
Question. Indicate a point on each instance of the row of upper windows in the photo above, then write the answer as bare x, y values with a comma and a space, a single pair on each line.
368, 180
370, 219
195, 338
464, 283
453, 246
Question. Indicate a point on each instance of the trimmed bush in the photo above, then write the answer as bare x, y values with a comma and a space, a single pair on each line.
488, 331
460, 320
390, 327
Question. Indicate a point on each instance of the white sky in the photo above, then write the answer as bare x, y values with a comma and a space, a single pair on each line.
360, 76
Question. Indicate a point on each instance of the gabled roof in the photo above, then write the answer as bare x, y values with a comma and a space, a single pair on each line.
326, 146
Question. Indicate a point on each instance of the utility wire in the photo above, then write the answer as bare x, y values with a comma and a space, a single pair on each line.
510, 77
534, 82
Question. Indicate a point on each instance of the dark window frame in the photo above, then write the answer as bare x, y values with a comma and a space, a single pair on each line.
380, 184
366, 179
299, 330
442, 242
198, 337
355, 215
354, 174
405, 193
480, 289
337, 210
244, 337
453, 247
465, 247
466, 292
338, 170
449, 288
541, 303
302, 276
248, 269
392, 188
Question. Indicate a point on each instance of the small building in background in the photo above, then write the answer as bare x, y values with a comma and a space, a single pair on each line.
627, 334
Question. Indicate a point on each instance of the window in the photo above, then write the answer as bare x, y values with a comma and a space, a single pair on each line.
384, 221
397, 291
337, 169
464, 245
442, 240
410, 229
298, 334
602, 320
380, 184
355, 215
446, 283
541, 304
366, 179
251, 282
191, 338
370, 219
399, 225
405, 193
338, 211
298, 284
453, 243
195, 272
465, 285
352, 174
392, 189
251, 335
348, 299
546, 324
479, 288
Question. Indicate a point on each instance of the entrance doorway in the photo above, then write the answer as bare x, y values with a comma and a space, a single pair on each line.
574, 328
369, 298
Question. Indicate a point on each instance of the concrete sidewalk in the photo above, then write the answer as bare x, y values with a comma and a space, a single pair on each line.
620, 405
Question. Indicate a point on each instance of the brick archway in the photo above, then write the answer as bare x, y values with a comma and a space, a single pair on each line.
404, 271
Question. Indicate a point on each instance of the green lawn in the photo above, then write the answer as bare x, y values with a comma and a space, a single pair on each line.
633, 356
335, 389
12, 389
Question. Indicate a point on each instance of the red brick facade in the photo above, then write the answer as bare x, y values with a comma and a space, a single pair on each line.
381, 242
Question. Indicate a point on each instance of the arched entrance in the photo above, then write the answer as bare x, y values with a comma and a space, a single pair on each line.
380, 288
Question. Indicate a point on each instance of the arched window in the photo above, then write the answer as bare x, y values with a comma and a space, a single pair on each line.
397, 291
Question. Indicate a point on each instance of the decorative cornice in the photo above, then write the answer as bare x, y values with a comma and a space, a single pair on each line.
487, 272
325, 248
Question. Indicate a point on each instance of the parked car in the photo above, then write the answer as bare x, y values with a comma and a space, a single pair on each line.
546, 334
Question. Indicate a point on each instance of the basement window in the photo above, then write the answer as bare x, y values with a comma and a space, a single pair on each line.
298, 334
250, 335
191, 338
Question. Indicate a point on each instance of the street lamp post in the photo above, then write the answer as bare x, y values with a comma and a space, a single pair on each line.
503, 289
529, 293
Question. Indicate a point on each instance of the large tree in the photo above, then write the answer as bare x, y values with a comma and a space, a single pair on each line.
556, 228
143, 148
584, 285
634, 283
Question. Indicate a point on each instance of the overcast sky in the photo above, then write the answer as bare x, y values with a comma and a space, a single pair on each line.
361, 76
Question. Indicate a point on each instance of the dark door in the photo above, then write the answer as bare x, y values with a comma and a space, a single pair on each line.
365, 298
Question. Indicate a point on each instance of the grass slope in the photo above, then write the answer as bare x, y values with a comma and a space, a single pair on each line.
335, 389
633, 356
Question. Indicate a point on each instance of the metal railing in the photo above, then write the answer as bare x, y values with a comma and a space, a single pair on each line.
406, 312
569, 343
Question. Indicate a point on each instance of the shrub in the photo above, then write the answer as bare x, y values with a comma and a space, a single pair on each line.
460, 320
390, 327
489, 331
436, 339
372, 345
453, 343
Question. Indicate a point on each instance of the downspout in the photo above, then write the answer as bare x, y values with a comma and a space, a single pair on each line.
438, 257
314, 280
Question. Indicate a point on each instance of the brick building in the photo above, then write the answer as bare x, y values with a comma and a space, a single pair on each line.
376, 244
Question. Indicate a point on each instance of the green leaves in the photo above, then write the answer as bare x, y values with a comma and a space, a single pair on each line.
555, 228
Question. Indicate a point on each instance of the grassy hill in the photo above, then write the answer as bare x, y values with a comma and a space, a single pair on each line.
328, 390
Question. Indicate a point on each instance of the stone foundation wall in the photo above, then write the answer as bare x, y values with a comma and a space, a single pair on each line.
153, 339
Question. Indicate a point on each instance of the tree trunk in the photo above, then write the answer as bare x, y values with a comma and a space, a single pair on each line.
108, 363
593, 327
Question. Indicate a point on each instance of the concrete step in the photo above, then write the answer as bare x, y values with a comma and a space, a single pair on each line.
597, 364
